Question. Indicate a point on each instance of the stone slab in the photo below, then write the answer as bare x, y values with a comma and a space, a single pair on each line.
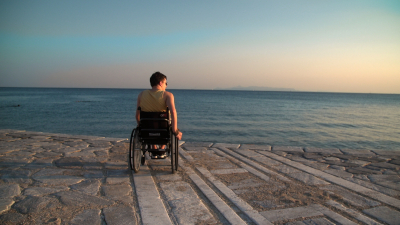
387, 152
151, 207
188, 148
73, 198
221, 206
186, 206
361, 152
334, 216
288, 149
315, 221
375, 187
117, 180
117, 191
385, 165
256, 165
384, 178
384, 214
229, 171
255, 147
167, 176
363, 170
5, 204
9, 190
353, 213
89, 216
41, 191
93, 174
257, 156
118, 215
225, 145
339, 181
90, 187
339, 173
352, 198
286, 169
308, 178
235, 199
58, 180
12, 218
322, 150
197, 144
245, 184
291, 213
32, 204
185, 155
247, 167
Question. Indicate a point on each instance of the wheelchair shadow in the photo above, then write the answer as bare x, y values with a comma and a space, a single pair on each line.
156, 166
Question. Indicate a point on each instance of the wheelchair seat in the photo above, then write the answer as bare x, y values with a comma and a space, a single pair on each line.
154, 129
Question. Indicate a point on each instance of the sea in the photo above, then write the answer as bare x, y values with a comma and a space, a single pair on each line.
304, 119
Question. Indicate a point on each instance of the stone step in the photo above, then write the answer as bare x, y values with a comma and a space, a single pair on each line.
152, 209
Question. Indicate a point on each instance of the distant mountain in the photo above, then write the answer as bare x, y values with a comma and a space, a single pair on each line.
256, 88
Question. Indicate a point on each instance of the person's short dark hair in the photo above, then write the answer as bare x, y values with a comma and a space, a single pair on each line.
156, 78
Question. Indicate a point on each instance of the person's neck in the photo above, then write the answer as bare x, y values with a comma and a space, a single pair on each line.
156, 88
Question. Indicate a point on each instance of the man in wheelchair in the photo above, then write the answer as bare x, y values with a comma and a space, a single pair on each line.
158, 100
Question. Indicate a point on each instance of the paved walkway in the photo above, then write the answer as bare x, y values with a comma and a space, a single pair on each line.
64, 179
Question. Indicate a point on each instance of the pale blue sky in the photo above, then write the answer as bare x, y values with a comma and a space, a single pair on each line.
340, 46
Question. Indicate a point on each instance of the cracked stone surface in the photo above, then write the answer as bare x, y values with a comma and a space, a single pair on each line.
50, 178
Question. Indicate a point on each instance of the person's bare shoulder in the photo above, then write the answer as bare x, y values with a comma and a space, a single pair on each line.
168, 94
140, 94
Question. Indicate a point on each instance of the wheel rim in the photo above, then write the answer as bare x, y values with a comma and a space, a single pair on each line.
131, 144
136, 152
176, 154
173, 147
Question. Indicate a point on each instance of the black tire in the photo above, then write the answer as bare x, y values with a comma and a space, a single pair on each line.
174, 153
135, 151
130, 159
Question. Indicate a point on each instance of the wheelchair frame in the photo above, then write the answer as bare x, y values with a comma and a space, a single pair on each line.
139, 144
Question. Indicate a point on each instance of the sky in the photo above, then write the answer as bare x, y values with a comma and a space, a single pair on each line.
306, 45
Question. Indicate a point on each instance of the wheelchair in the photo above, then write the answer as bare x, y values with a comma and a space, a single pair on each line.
154, 129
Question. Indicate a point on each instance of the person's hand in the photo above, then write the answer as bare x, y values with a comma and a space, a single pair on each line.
179, 135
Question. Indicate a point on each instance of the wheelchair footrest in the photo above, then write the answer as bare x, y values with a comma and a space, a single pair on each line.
159, 155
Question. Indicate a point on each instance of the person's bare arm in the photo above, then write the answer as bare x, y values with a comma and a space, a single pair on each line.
171, 105
137, 111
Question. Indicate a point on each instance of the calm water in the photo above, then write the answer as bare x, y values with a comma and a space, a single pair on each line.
354, 121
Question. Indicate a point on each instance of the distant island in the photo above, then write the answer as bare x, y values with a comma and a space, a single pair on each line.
256, 88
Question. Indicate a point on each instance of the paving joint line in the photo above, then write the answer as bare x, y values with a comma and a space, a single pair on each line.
161, 192
338, 181
152, 209
230, 215
240, 203
356, 215
235, 153
255, 164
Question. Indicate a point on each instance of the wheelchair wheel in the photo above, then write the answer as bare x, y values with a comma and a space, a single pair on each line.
135, 151
174, 154
177, 154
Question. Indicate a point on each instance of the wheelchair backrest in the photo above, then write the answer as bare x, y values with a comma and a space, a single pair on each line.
154, 125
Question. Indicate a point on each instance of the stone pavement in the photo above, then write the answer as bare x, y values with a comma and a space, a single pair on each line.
64, 179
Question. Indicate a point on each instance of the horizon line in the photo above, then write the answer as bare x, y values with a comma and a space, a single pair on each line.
215, 89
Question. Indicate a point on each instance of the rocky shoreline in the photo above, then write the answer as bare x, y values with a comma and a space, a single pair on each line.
66, 179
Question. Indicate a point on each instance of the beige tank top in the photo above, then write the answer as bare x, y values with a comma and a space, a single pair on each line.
153, 101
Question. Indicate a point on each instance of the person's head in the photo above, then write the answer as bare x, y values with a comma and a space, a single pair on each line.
156, 78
